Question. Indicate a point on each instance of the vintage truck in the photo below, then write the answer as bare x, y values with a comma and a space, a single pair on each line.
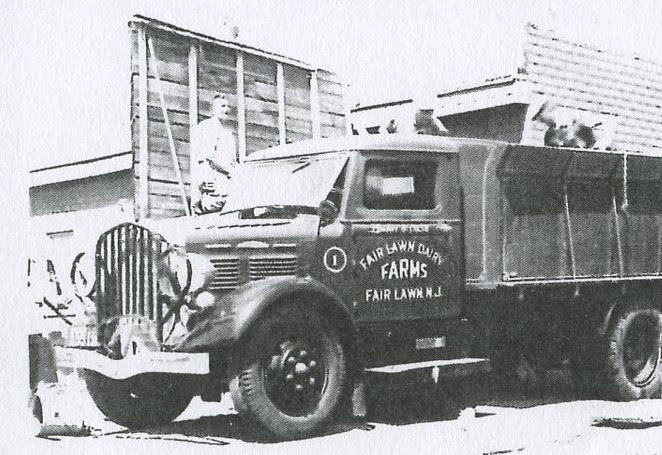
384, 254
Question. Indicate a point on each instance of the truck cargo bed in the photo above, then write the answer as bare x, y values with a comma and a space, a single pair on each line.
557, 215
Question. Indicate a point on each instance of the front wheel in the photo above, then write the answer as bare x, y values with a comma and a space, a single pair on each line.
141, 401
292, 373
633, 357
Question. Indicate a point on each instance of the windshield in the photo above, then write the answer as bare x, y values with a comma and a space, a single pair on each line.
300, 183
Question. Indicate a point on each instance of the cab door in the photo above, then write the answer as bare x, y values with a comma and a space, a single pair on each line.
407, 234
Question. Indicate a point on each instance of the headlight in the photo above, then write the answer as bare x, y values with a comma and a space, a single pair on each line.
202, 272
83, 274
177, 265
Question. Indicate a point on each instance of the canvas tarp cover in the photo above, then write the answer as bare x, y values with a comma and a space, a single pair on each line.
575, 213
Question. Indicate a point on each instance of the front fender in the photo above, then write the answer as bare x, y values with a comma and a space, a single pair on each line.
234, 313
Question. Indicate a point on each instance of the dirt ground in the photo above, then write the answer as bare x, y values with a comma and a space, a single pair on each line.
406, 415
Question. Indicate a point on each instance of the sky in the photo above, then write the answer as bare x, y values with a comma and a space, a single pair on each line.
67, 92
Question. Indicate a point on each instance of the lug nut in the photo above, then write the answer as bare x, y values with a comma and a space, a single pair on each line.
291, 360
302, 353
298, 387
311, 381
312, 364
289, 377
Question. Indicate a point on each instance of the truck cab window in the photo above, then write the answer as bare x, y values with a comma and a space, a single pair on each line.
396, 185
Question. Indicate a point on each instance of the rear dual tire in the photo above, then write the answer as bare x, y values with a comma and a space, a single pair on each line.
622, 364
633, 353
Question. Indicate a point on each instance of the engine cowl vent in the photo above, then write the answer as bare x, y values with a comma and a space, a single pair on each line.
227, 274
259, 268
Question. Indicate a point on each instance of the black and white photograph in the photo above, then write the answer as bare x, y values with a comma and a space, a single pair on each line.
371, 227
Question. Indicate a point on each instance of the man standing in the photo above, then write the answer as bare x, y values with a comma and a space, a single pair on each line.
213, 157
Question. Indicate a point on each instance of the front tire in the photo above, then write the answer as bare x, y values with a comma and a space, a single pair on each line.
142, 401
292, 373
633, 357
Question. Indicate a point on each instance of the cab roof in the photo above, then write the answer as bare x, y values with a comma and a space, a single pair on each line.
418, 142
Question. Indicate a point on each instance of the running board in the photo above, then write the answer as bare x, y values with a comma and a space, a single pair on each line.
440, 368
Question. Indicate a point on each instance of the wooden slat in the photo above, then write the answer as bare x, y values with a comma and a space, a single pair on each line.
335, 120
169, 129
241, 109
176, 117
169, 48
168, 173
328, 76
315, 104
214, 56
158, 144
331, 88
192, 88
267, 119
583, 101
261, 106
133, 39
162, 158
298, 97
143, 170
164, 188
171, 72
605, 78
293, 136
630, 67
259, 68
280, 87
262, 91
597, 84
158, 129
268, 132
330, 103
577, 100
298, 113
219, 81
258, 143
299, 126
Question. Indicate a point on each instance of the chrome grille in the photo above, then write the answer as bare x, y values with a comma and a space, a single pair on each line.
126, 262
259, 268
227, 274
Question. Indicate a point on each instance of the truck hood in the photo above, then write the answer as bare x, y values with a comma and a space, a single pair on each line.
222, 234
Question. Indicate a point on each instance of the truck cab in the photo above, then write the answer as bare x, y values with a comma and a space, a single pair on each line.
329, 258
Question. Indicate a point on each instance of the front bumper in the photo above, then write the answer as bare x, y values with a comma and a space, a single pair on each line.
132, 365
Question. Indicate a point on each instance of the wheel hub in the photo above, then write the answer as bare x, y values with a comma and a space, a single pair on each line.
295, 377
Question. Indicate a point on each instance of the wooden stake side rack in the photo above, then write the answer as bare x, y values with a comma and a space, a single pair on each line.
175, 74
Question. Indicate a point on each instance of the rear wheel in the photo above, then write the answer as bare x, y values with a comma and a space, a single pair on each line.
292, 373
141, 401
633, 357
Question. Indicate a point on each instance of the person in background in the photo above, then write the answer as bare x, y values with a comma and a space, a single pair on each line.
575, 133
213, 157
425, 122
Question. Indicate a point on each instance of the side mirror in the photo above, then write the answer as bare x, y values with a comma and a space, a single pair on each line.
327, 211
